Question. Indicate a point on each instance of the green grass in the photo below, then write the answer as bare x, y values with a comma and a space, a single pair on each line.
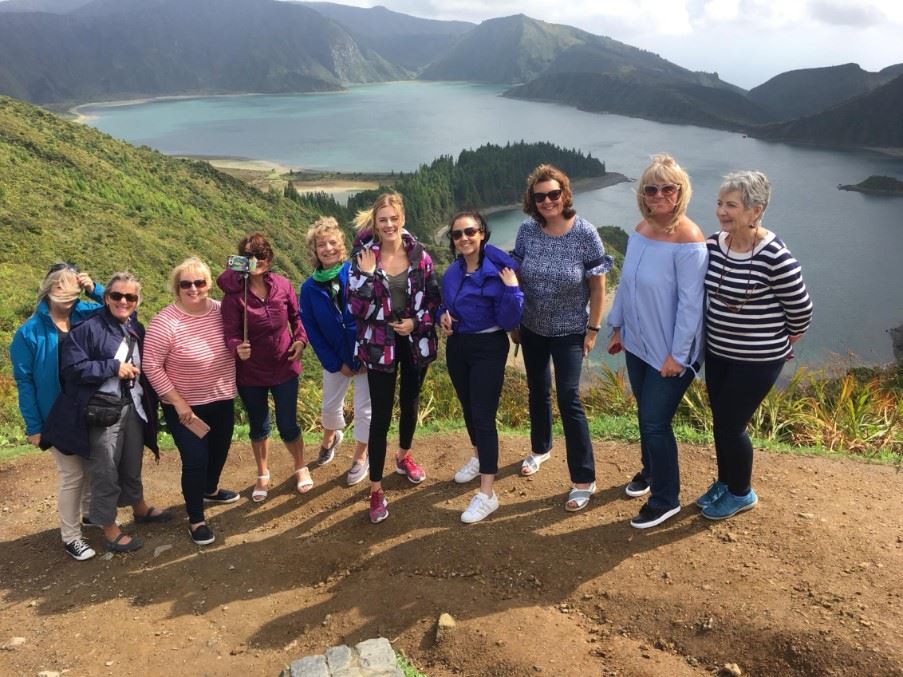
408, 669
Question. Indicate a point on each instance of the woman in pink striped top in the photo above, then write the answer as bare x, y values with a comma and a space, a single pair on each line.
190, 368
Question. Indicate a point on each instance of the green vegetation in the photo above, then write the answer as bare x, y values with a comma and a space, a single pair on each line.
488, 176
877, 185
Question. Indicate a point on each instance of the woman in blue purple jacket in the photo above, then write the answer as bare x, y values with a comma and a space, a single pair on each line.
481, 302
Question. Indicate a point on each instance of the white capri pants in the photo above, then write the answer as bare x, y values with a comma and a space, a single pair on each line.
335, 385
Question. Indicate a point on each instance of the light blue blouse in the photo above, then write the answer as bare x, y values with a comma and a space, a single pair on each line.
659, 301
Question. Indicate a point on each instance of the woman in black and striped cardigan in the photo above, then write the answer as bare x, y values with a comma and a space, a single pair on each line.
757, 307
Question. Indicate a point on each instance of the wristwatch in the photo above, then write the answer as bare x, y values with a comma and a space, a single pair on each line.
594, 329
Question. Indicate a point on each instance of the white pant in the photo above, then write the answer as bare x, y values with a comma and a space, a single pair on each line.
335, 385
74, 496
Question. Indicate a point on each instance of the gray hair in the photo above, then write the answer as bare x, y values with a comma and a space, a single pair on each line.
753, 187
125, 277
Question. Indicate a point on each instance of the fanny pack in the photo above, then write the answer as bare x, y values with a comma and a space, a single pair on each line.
103, 409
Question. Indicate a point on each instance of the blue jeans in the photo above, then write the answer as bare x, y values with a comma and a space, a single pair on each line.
657, 399
566, 353
736, 390
202, 458
285, 398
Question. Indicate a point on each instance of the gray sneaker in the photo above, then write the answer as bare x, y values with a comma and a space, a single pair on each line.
358, 471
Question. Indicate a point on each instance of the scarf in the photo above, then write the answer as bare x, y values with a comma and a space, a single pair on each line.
321, 275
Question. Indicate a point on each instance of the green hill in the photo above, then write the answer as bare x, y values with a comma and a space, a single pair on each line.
72, 193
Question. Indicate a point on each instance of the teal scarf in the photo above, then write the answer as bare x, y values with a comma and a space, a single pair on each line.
321, 275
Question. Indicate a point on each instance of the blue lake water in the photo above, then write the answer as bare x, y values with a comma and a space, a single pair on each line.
848, 243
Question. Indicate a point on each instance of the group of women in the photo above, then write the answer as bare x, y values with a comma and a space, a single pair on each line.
89, 376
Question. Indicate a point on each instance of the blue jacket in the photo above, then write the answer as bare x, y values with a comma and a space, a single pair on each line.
481, 300
86, 361
35, 359
331, 333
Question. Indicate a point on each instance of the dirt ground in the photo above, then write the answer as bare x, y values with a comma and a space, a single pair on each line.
809, 583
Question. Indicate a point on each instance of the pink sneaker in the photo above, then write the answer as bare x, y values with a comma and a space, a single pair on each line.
406, 466
379, 507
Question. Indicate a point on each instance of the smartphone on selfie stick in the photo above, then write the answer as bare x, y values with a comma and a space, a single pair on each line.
243, 265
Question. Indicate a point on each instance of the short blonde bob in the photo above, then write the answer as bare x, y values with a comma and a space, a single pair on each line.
193, 264
324, 227
664, 169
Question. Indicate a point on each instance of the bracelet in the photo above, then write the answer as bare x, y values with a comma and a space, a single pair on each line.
594, 329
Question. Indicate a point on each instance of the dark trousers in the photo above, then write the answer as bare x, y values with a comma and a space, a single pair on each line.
566, 353
202, 458
117, 453
657, 399
382, 400
476, 365
735, 392
285, 400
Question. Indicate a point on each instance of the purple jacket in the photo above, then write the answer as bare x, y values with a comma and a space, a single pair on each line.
481, 300
370, 302
273, 325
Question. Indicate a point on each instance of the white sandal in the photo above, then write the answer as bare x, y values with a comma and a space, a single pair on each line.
259, 495
579, 497
305, 483
531, 464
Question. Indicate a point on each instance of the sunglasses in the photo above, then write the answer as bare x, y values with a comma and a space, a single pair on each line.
255, 255
553, 195
118, 296
666, 189
188, 284
470, 231
63, 266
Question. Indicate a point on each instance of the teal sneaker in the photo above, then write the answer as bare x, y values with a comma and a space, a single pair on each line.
715, 491
729, 505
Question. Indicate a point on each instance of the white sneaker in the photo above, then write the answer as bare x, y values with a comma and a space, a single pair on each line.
468, 471
480, 506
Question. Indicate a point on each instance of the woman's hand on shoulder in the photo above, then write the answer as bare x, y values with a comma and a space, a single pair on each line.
508, 276
366, 261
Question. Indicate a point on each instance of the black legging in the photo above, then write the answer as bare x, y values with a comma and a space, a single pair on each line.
382, 399
736, 389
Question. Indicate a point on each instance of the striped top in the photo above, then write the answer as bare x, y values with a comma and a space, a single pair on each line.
755, 300
187, 353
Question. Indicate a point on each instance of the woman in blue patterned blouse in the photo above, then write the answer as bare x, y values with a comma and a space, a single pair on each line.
657, 321
563, 267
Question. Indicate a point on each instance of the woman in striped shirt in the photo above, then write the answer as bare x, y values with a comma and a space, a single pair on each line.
757, 308
193, 372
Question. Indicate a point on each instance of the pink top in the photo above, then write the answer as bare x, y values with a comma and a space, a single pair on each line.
186, 353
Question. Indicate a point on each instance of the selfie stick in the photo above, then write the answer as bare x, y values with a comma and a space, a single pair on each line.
245, 332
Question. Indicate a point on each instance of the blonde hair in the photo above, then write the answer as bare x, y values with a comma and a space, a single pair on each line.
323, 227
366, 218
664, 169
65, 278
191, 263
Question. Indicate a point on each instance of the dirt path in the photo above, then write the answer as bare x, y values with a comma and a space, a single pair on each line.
809, 583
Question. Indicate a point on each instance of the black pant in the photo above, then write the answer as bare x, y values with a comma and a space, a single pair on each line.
736, 389
476, 365
566, 353
382, 399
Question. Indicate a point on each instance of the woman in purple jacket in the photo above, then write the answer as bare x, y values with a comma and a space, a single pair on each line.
481, 302
268, 357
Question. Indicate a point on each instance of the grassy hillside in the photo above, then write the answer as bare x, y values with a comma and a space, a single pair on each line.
70, 192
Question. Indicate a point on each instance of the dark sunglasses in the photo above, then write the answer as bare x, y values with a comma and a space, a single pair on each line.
188, 284
118, 296
255, 255
470, 231
666, 189
62, 265
553, 195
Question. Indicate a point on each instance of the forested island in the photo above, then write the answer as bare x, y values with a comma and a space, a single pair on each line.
877, 185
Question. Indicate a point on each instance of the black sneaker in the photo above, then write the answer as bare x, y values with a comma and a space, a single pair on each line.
638, 486
222, 496
86, 522
79, 550
652, 517
202, 535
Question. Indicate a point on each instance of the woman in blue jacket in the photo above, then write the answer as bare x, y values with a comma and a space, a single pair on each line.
481, 302
332, 331
34, 355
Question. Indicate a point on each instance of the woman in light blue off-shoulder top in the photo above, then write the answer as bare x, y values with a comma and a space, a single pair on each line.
657, 320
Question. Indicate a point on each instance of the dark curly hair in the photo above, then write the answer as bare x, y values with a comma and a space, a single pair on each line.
258, 244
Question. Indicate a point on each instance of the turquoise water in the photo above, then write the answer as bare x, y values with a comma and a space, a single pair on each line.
848, 243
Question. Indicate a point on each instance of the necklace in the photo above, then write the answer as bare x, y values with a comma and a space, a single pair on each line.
734, 308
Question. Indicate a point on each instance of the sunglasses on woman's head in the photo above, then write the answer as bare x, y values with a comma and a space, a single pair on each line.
62, 265
188, 284
470, 231
553, 195
118, 296
666, 189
